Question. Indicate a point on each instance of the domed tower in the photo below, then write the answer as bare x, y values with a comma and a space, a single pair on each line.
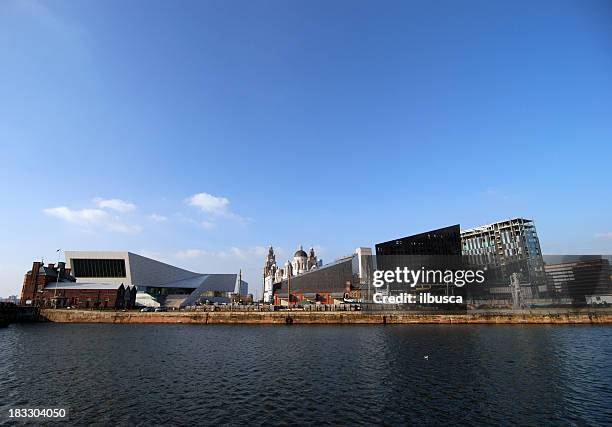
270, 265
312, 259
300, 261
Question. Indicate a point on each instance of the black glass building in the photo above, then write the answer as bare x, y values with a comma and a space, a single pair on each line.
435, 250
443, 241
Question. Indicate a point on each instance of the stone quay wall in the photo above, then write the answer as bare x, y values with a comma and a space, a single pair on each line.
332, 317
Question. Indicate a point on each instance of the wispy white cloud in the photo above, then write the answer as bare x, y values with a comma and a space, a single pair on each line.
92, 219
257, 251
82, 217
496, 194
233, 252
189, 254
209, 203
158, 218
115, 204
199, 253
204, 224
215, 207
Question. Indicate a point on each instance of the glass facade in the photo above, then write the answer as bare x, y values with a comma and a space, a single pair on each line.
504, 249
82, 267
435, 250
444, 241
335, 278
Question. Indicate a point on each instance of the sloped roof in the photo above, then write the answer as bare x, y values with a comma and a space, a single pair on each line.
190, 282
83, 286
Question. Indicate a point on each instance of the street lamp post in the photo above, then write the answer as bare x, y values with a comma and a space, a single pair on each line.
59, 254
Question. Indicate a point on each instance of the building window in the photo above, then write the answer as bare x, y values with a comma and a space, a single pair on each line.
82, 267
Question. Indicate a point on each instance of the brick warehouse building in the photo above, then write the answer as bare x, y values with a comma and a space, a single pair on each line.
51, 286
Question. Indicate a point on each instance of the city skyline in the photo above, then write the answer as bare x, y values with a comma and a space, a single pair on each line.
333, 125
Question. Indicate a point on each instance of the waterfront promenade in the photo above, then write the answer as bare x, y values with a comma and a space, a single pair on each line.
537, 316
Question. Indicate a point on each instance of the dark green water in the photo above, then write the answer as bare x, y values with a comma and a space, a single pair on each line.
335, 375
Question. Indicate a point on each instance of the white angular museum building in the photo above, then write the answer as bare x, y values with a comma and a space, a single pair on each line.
157, 282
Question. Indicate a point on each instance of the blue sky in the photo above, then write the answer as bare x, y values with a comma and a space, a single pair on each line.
199, 132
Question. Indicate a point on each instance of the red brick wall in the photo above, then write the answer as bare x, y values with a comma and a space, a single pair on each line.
32, 283
83, 298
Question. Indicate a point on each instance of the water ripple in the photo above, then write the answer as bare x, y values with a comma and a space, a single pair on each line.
332, 375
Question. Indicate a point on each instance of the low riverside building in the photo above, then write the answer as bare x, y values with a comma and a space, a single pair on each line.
90, 295
54, 286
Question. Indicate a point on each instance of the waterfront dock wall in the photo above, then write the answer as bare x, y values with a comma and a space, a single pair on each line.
319, 318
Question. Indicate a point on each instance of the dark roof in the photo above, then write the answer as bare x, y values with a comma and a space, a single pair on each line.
64, 277
300, 253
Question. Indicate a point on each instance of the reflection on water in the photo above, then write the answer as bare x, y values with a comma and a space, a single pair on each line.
143, 374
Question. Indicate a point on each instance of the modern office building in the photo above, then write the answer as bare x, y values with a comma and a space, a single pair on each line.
579, 278
349, 279
499, 249
502, 242
443, 241
504, 248
434, 250
169, 285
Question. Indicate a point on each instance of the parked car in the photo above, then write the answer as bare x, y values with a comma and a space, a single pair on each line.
158, 309
147, 309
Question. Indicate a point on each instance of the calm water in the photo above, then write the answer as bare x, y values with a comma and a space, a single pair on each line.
149, 374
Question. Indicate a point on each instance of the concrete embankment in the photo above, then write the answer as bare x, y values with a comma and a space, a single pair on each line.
332, 317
